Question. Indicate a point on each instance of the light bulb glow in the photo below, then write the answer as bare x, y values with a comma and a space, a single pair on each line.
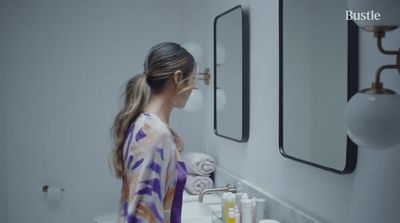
194, 49
194, 102
373, 120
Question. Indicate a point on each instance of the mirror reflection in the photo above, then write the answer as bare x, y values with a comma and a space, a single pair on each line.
315, 82
231, 74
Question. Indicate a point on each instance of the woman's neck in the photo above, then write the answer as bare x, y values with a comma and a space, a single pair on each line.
160, 105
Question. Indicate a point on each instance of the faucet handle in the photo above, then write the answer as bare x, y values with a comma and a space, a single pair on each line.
231, 188
227, 188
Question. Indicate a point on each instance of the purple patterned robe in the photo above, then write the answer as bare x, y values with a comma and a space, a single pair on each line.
154, 176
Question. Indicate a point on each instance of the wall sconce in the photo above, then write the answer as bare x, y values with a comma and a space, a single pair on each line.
206, 76
195, 100
373, 114
196, 51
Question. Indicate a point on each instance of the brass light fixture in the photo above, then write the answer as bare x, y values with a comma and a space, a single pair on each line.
197, 52
206, 76
373, 114
379, 33
195, 100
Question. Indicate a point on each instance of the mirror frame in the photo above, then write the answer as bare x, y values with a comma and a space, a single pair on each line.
245, 74
352, 88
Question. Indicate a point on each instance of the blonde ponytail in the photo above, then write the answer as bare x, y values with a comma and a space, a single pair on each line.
136, 94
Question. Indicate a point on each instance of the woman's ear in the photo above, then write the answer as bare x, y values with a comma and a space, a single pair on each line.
177, 77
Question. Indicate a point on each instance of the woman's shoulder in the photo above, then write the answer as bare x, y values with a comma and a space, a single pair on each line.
150, 131
151, 123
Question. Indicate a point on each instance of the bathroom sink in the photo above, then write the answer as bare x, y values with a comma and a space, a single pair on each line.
208, 199
195, 210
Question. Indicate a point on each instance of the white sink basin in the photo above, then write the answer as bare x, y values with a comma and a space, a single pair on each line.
195, 210
208, 199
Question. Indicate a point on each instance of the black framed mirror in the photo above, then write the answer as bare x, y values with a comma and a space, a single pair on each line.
231, 74
318, 74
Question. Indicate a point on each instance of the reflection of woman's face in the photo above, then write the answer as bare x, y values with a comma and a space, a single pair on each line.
182, 97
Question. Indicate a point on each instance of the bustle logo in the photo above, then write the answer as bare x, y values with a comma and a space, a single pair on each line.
363, 16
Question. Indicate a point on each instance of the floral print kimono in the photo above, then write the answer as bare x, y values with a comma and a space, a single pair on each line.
154, 176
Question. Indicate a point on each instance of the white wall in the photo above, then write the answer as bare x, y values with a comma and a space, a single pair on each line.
370, 194
66, 63
3, 188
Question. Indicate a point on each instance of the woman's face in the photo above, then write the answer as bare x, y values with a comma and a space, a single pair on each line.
184, 91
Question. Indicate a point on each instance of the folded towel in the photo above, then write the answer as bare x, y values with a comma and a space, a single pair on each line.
199, 163
196, 184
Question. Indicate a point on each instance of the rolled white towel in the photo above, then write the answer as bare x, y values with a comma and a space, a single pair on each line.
196, 184
199, 163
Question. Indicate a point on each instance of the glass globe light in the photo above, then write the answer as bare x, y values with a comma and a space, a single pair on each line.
373, 119
194, 49
373, 114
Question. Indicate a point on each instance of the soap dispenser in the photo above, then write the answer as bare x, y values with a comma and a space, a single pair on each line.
247, 209
228, 203
223, 206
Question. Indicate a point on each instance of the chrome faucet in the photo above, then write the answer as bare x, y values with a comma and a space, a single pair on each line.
228, 188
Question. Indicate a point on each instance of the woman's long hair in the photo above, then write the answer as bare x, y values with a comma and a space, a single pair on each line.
162, 61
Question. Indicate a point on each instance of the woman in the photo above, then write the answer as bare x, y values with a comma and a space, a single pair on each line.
146, 150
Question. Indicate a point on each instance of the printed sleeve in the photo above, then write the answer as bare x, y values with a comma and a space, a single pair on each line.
149, 168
